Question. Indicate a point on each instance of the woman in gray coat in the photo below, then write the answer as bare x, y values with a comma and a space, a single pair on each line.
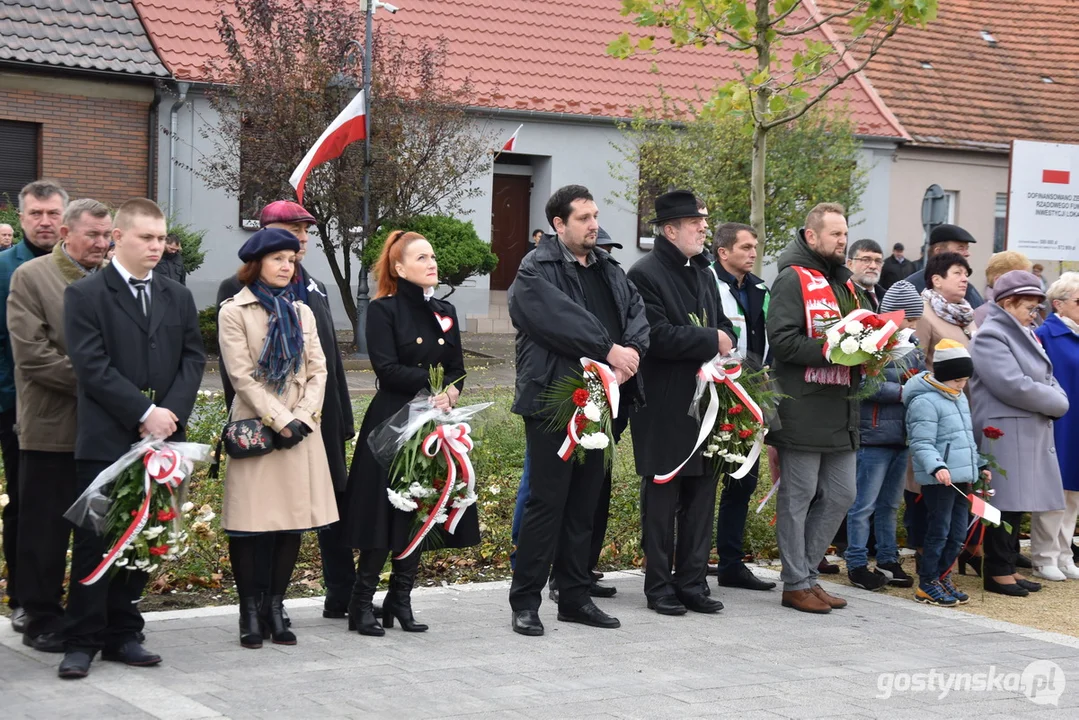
1013, 389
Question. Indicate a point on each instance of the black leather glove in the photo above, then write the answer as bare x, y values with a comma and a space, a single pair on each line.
299, 432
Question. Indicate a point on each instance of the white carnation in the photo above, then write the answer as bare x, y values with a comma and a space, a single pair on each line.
594, 441
834, 337
849, 345
399, 501
591, 411
418, 491
869, 345
151, 533
713, 448
121, 562
854, 327
724, 437
187, 507
441, 517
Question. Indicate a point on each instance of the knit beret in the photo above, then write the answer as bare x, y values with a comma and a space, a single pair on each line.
284, 211
903, 296
266, 241
951, 361
1017, 282
950, 233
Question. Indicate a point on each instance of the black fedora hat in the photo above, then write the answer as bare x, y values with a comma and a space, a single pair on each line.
676, 204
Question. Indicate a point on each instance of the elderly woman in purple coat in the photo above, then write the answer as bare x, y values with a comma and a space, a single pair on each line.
1060, 337
1013, 389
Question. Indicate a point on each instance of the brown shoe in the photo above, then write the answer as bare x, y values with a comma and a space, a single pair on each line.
833, 602
805, 601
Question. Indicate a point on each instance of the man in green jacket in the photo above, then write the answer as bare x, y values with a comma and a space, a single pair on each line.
818, 436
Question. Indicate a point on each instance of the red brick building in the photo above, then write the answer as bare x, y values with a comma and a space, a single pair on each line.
78, 98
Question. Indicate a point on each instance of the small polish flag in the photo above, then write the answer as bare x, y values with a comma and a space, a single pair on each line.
347, 128
1056, 177
980, 508
511, 144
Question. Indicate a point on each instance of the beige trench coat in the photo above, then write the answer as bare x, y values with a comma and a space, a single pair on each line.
285, 489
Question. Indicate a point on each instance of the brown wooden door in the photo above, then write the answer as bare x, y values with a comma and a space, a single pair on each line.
510, 237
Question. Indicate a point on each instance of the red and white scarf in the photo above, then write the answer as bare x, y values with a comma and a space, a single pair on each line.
821, 308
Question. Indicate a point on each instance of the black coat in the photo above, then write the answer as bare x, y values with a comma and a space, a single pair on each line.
172, 267
404, 341
894, 271
117, 354
664, 431
338, 425
554, 330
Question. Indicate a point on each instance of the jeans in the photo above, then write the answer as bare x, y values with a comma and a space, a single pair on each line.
946, 529
881, 476
731, 518
519, 509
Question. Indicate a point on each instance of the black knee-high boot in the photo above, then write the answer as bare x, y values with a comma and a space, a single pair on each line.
286, 550
398, 603
242, 556
361, 616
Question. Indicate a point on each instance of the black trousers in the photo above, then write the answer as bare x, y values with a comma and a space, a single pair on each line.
731, 518
1001, 548
557, 522
599, 520
46, 490
692, 499
105, 614
9, 449
338, 564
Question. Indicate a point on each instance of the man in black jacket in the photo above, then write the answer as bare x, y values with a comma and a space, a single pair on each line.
744, 299
947, 238
171, 264
675, 284
338, 571
134, 343
896, 268
567, 302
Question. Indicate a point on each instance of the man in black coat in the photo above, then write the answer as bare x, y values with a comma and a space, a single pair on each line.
338, 570
675, 283
171, 264
567, 302
896, 268
744, 298
134, 343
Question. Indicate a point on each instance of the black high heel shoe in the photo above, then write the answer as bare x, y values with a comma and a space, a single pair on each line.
968, 558
250, 624
273, 621
361, 614
398, 602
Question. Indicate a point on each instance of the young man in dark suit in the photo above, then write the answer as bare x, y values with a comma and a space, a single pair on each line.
134, 342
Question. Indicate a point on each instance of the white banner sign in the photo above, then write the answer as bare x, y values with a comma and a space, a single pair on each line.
1043, 200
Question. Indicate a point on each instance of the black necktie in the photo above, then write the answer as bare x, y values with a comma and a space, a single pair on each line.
143, 297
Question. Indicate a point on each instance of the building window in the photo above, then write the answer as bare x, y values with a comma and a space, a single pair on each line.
18, 158
952, 198
1000, 222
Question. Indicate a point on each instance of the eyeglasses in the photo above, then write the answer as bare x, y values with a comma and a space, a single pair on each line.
869, 261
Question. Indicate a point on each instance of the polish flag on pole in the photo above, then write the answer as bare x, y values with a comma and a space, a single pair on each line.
347, 128
511, 144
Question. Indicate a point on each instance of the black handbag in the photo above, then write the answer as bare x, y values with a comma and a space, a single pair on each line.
246, 438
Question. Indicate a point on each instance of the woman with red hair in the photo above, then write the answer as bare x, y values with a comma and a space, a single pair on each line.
408, 333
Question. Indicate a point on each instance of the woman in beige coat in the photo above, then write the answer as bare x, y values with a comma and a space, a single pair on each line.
270, 347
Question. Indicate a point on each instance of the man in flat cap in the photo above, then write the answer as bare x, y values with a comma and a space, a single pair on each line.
948, 238
339, 574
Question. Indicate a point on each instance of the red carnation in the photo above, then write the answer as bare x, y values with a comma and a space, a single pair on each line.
134, 513
581, 422
992, 433
159, 550
580, 397
736, 410
726, 427
745, 434
165, 515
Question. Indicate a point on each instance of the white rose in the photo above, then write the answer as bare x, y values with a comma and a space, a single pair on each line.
591, 411
854, 327
594, 441
849, 346
869, 345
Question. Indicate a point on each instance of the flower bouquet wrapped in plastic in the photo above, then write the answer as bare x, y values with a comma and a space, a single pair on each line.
136, 504
427, 453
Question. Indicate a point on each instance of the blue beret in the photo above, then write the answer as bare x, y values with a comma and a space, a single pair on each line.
266, 241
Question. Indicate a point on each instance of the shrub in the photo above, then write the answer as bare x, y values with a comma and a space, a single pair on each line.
9, 213
461, 254
208, 328
190, 245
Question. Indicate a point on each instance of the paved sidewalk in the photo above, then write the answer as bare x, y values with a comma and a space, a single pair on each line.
753, 660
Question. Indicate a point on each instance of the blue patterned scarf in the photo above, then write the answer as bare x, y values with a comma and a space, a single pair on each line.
283, 351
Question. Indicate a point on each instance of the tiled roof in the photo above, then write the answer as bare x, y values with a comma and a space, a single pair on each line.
951, 87
96, 35
532, 55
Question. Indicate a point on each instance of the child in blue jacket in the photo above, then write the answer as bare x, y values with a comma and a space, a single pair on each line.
942, 446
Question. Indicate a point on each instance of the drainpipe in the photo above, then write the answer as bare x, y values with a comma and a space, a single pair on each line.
182, 87
151, 143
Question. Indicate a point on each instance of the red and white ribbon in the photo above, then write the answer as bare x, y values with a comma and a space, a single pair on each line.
454, 442
882, 335
714, 372
162, 467
610, 390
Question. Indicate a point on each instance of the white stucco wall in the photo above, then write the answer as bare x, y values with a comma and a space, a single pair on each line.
562, 151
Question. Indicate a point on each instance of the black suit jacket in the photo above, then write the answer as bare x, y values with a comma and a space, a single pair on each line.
119, 354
